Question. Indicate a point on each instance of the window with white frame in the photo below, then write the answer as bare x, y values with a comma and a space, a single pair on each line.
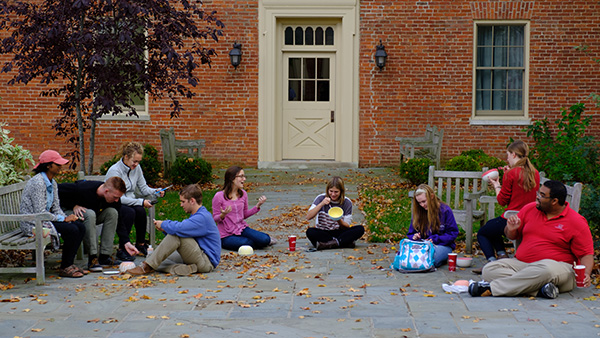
500, 70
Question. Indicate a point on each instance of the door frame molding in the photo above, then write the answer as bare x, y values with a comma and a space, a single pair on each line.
271, 15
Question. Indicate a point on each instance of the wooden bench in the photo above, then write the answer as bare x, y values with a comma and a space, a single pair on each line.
150, 215
11, 237
461, 191
172, 148
429, 146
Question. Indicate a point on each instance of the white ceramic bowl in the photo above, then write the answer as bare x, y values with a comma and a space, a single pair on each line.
490, 174
45, 231
336, 213
245, 250
123, 267
509, 213
464, 262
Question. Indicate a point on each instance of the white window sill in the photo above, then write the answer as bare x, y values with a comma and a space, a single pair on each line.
123, 117
498, 122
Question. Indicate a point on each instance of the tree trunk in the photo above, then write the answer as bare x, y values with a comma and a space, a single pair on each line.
92, 143
81, 137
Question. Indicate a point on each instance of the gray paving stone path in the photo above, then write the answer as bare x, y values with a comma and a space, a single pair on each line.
277, 293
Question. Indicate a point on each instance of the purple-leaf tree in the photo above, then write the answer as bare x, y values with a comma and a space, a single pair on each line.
99, 55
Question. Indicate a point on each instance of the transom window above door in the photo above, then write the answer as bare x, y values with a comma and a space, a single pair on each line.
308, 36
308, 79
500, 70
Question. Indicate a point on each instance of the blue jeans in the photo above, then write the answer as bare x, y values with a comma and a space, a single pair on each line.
440, 256
254, 238
490, 237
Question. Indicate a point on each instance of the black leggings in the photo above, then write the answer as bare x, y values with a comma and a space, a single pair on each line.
127, 217
72, 234
345, 236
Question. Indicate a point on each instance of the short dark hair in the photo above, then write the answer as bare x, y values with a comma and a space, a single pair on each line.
116, 183
192, 191
557, 190
42, 167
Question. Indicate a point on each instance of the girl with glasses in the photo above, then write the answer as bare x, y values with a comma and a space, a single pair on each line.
230, 209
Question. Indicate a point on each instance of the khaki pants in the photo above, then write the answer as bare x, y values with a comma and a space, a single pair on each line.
109, 218
511, 277
175, 250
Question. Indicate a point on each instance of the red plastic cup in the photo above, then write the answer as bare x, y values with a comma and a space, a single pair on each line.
452, 261
292, 243
580, 275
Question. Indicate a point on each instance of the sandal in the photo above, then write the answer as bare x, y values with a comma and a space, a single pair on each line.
83, 271
71, 272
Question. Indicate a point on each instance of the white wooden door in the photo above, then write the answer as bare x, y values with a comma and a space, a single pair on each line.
308, 130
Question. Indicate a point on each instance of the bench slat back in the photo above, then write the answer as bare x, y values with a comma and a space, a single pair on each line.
10, 201
573, 192
450, 186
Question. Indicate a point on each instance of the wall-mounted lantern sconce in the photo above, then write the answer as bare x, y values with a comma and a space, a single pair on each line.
236, 54
380, 55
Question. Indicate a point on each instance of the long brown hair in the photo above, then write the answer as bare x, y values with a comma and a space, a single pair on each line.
527, 176
230, 175
336, 182
428, 220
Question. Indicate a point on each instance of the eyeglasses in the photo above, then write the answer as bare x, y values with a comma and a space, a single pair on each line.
242, 176
541, 196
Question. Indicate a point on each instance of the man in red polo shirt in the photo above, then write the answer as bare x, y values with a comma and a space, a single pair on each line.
554, 237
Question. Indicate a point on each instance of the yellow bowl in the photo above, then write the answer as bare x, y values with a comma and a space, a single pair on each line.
245, 250
336, 213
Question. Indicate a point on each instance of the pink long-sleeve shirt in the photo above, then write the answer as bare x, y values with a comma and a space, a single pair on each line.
234, 222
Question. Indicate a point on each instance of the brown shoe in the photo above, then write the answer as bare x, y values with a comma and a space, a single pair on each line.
184, 269
332, 244
142, 269
476, 271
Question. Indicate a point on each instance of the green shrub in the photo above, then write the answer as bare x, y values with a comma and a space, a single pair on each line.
590, 206
14, 160
569, 156
187, 170
150, 164
415, 170
483, 159
463, 163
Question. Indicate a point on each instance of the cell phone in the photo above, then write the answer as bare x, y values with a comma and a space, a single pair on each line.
163, 189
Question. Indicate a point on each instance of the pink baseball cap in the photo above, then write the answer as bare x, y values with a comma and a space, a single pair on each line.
51, 156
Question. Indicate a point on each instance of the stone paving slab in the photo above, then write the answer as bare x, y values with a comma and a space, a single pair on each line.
277, 293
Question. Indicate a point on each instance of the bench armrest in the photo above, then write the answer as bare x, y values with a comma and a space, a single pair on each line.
414, 140
470, 196
488, 199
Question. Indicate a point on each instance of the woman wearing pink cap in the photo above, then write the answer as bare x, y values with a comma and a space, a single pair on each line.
41, 195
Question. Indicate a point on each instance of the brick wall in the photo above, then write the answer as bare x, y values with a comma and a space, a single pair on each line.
427, 80
224, 112
428, 75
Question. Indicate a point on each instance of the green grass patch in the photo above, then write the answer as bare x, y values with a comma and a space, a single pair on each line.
387, 213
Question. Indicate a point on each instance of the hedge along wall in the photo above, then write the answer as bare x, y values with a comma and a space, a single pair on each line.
428, 75
427, 80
